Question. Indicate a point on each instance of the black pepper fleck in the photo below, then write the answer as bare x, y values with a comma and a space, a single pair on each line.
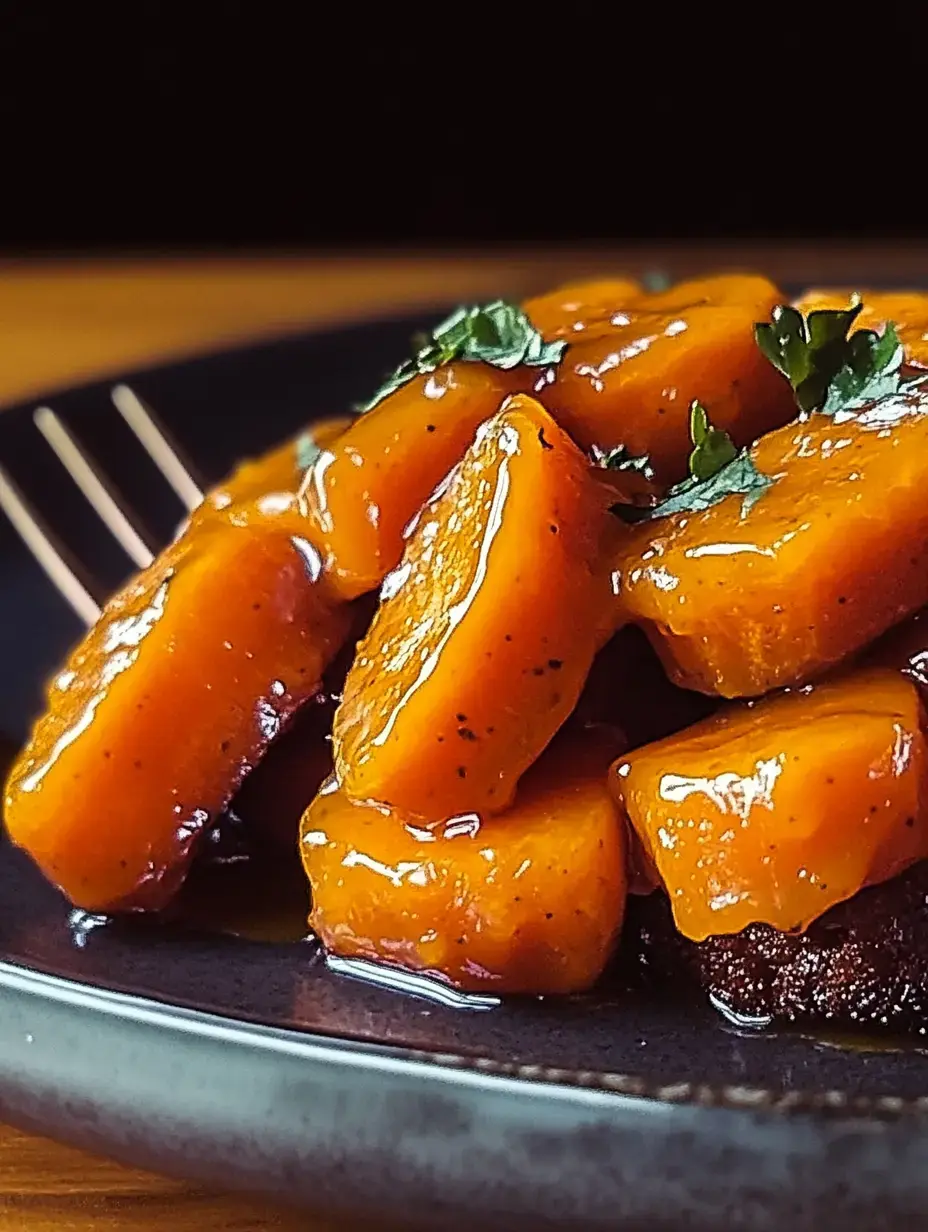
541, 438
466, 734
555, 664
461, 718
430, 427
549, 915
224, 746
538, 671
462, 772
552, 528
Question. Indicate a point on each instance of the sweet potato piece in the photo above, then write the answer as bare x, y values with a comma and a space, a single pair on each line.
908, 310
580, 306
177, 690
486, 632
371, 482
270, 484
773, 812
528, 902
631, 381
831, 555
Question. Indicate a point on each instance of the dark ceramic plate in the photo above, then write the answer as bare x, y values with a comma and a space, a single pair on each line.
239, 1062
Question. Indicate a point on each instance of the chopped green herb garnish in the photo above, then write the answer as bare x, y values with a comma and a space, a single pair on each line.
499, 334
873, 369
717, 469
712, 448
809, 351
830, 368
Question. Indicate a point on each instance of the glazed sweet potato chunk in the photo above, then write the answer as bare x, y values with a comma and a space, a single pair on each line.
580, 306
907, 310
371, 482
530, 901
486, 632
631, 379
774, 811
279, 470
157, 715
739, 601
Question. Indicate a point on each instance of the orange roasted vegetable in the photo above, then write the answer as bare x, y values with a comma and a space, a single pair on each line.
579, 306
907, 310
630, 379
831, 554
486, 632
528, 902
771, 812
177, 690
371, 482
277, 471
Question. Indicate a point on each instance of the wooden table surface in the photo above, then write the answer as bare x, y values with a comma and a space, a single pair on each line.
63, 322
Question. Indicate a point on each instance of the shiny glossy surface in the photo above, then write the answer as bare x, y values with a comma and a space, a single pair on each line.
486, 632
530, 901
279, 472
832, 554
629, 379
159, 713
459, 1140
371, 482
571, 310
772, 812
908, 311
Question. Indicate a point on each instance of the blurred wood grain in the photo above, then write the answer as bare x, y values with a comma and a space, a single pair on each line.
65, 322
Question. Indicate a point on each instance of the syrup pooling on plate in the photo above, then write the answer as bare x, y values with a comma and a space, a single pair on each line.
487, 543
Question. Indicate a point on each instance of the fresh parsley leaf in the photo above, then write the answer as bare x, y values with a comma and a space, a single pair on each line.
712, 448
872, 370
809, 351
620, 459
717, 469
498, 333
738, 477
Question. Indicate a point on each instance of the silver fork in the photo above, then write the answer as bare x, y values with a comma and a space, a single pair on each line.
96, 488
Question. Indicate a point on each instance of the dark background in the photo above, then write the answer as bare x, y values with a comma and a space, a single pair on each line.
149, 128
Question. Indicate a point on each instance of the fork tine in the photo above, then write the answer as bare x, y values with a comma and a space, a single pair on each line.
39, 543
139, 418
82, 471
